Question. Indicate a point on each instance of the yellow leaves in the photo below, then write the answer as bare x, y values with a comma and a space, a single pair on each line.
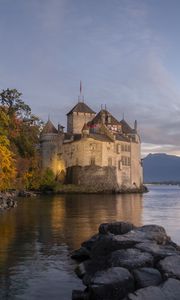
4, 121
7, 169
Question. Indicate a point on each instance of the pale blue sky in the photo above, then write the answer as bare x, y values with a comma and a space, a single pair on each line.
126, 52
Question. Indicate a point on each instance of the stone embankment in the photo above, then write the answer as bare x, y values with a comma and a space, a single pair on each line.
130, 263
7, 200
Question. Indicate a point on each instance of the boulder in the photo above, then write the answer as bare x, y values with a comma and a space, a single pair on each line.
103, 246
80, 254
158, 251
145, 277
113, 283
79, 295
148, 293
116, 228
170, 290
131, 259
155, 232
170, 267
130, 263
90, 242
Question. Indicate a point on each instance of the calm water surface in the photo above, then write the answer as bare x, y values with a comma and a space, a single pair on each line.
37, 236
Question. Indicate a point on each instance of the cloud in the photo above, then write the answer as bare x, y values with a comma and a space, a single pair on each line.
112, 46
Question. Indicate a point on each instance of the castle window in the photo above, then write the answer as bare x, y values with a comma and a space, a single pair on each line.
92, 161
118, 148
129, 161
110, 161
122, 147
123, 160
126, 161
119, 165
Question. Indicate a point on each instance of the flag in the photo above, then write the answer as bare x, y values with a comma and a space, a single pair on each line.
80, 87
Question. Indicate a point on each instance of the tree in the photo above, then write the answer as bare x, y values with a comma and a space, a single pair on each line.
22, 130
11, 101
7, 167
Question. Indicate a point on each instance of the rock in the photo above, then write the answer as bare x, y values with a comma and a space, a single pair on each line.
145, 277
25, 193
131, 259
123, 258
113, 283
105, 244
156, 233
170, 267
116, 228
80, 270
81, 254
79, 295
90, 243
158, 251
170, 290
148, 293
142, 234
7, 200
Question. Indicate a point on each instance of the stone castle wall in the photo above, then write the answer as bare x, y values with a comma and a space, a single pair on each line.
93, 177
76, 121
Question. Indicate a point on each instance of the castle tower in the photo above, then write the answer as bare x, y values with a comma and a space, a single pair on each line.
80, 114
51, 141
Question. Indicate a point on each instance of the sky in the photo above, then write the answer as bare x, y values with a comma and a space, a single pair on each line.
126, 52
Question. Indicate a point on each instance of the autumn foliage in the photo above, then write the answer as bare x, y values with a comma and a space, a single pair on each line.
19, 139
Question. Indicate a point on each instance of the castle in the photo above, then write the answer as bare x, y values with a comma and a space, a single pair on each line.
97, 151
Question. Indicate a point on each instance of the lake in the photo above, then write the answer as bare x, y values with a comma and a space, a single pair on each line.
36, 238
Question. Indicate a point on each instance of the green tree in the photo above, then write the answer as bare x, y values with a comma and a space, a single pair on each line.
48, 181
12, 103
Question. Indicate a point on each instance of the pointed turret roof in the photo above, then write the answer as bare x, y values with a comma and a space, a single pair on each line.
49, 128
81, 107
125, 127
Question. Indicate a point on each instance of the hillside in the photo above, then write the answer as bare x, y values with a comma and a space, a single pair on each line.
161, 167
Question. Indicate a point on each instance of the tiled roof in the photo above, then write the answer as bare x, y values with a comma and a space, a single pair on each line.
125, 127
81, 107
98, 118
49, 128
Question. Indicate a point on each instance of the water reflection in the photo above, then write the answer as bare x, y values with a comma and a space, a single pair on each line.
75, 218
36, 237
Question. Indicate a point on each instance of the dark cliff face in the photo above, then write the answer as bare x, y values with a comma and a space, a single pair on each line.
161, 167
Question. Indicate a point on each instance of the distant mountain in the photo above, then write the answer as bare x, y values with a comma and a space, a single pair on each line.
161, 167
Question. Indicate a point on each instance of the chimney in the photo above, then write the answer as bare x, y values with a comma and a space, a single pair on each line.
135, 125
60, 128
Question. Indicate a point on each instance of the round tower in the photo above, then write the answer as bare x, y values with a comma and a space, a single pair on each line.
51, 142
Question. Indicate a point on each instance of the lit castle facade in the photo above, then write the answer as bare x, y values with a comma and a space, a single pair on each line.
97, 151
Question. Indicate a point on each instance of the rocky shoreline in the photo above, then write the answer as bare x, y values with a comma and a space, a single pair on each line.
131, 263
8, 200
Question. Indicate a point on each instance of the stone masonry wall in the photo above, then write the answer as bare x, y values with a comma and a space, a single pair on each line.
94, 177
